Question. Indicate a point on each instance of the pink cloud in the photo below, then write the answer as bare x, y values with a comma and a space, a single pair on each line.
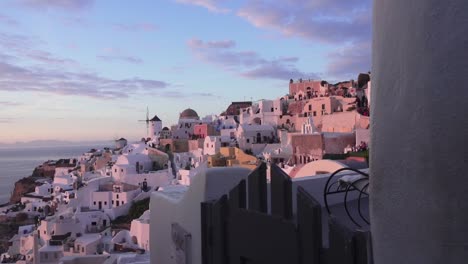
344, 24
135, 27
113, 58
4, 19
21, 74
70, 5
221, 44
116, 55
212, 5
248, 64
329, 21
349, 60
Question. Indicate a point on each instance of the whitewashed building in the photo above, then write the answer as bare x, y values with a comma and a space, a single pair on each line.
211, 145
140, 229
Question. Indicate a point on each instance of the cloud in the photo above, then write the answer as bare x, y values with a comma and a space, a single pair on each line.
8, 103
68, 5
6, 120
16, 42
135, 27
116, 55
221, 44
15, 78
350, 60
276, 70
180, 94
329, 21
21, 73
8, 20
24, 47
248, 64
76, 21
46, 57
176, 69
113, 58
212, 5
341, 24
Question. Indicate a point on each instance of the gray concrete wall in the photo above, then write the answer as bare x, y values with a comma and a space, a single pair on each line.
419, 160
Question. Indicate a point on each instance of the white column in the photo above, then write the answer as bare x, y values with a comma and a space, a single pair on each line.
419, 150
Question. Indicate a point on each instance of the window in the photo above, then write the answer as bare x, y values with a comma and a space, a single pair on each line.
115, 170
105, 202
315, 113
323, 106
94, 203
112, 201
248, 140
117, 196
93, 223
82, 249
121, 170
310, 107
45, 232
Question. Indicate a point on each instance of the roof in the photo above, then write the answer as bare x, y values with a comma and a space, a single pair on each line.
48, 248
234, 107
88, 238
165, 128
173, 192
155, 119
121, 139
189, 114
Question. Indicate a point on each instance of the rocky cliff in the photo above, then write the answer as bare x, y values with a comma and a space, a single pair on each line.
22, 187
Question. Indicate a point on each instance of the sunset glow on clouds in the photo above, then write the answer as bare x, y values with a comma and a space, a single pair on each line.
87, 69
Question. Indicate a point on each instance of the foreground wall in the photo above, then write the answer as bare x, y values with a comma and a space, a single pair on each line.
419, 195
174, 205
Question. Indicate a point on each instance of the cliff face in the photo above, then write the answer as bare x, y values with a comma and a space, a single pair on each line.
23, 186
44, 171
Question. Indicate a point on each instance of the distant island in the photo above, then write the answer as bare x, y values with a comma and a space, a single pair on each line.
44, 143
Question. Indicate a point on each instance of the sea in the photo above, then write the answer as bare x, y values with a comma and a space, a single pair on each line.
19, 161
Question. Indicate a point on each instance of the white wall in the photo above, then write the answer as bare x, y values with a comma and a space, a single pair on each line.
419, 195
211, 145
103, 197
186, 211
157, 178
140, 228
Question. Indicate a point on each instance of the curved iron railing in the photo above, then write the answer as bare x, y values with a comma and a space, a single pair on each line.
361, 185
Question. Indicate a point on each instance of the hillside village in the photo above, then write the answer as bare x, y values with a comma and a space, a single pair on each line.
76, 204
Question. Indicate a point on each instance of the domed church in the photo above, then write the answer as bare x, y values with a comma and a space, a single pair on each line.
189, 114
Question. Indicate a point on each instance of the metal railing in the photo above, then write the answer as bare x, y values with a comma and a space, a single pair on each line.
336, 185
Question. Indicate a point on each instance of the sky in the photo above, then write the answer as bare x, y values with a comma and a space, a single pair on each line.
82, 70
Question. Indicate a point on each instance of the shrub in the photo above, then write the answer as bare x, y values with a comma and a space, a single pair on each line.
21, 217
